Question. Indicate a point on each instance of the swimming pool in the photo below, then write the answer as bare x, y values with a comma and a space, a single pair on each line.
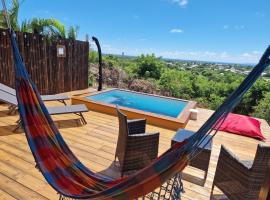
143, 102
161, 111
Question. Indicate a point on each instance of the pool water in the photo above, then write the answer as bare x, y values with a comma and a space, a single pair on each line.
148, 103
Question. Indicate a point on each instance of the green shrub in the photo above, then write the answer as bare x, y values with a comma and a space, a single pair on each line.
207, 85
149, 66
93, 56
177, 83
262, 110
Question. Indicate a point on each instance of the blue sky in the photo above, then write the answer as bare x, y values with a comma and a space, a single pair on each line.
210, 30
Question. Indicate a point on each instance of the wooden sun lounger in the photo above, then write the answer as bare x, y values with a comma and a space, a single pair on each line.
10, 100
58, 110
56, 97
72, 109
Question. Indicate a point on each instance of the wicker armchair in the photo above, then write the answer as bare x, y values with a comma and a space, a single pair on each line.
241, 179
135, 149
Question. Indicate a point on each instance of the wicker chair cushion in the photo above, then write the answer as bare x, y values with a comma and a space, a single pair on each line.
242, 125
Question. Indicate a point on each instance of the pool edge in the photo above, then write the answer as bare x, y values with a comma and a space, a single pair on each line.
153, 119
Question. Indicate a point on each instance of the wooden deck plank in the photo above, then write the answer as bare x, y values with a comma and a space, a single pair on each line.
94, 144
17, 190
27, 178
5, 196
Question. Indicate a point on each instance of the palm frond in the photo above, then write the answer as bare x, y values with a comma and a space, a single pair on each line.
13, 15
73, 32
3, 23
51, 27
26, 26
59, 27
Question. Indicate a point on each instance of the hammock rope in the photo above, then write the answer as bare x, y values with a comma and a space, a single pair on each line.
70, 178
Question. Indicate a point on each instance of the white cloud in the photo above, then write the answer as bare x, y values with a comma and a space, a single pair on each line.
245, 57
254, 55
257, 52
141, 39
176, 30
250, 57
136, 17
181, 3
260, 14
235, 27
106, 46
239, 27
225, 27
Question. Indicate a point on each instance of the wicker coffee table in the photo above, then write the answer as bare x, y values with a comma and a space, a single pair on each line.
203, 159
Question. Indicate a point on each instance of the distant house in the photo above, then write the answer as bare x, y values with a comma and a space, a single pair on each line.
246, 72
193, 66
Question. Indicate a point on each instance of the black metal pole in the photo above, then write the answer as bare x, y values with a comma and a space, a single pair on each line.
100, 63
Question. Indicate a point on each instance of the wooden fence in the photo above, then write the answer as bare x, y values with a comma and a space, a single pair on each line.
51, 74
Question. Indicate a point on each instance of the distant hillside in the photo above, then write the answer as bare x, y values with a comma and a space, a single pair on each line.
189, 61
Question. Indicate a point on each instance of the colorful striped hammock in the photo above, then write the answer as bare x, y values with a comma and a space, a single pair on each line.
70, 178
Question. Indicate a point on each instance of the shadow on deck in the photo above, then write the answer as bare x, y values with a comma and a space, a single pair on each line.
94, 144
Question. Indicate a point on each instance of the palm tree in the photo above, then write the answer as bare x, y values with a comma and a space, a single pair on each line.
50, 27
73, 32
13, 16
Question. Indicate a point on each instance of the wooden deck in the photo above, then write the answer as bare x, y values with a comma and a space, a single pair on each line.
95, 144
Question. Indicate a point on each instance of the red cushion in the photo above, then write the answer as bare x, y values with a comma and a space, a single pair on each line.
242, 125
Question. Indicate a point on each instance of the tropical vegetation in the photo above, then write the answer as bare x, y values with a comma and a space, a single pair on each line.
50, 27
206, 83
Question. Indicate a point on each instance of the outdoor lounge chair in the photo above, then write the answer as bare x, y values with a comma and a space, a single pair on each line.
242, 179
135, 148
56, 97
11, 100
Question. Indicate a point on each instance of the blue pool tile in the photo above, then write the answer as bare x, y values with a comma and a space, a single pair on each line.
144, 102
